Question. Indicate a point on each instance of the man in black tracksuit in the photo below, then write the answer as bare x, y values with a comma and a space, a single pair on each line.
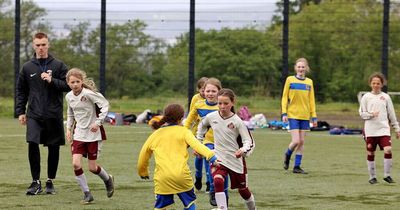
41, 84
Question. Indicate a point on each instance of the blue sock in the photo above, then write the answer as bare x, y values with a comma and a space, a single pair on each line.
191, 207
289, 152
226, 185
297, 161
198, 165
209, 177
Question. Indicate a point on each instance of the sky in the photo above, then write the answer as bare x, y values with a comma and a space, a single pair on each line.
166, 19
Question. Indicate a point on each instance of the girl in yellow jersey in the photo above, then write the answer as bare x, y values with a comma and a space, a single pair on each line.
200, 110
198, 161
298, 107
172, 175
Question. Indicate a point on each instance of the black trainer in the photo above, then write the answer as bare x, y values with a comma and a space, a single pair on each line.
110, 186
50, 187
373, 181
197, 183
87, 198
389, 179
207, 187
286, 161
35, 188
213, 202
298, 170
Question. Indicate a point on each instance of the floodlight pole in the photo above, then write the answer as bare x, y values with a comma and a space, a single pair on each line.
191, 52
17, 41
285, 42
385, 41
102, 73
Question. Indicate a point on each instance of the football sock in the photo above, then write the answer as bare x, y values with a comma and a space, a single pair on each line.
387, 165
371, 169
102, 173
198, 165
191, 207
251, 203
226, 186
289, 152
209, 176
221, 200
297, 161
81, 179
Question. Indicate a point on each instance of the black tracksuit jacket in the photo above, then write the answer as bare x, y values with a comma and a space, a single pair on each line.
45, 100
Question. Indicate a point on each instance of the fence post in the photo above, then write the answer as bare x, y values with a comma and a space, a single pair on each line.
385, 41
191, 52
17, 41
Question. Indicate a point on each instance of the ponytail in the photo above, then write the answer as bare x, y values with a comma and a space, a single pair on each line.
173, 114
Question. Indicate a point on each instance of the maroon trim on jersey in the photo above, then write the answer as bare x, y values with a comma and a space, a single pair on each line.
244, 165
240, 141
219, 113
102, 130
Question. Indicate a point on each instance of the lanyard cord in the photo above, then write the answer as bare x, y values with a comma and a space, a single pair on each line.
43, 67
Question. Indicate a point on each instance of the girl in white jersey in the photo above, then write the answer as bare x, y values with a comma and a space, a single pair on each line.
85, 130
376, 108
233, 142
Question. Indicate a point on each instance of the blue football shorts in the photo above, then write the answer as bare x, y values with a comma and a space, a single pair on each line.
295, 124
187, 198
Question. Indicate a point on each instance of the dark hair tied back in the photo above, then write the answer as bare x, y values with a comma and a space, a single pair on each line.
173, 114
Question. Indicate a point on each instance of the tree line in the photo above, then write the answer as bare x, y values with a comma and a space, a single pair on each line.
341, 39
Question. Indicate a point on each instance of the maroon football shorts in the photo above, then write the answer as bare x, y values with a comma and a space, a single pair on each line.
87, 149
237, 180
382, 141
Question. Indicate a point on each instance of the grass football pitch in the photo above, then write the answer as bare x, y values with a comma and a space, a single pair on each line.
337, 176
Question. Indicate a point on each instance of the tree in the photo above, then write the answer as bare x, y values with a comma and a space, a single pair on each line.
30, 13
6, 43
245, 60
342, 41
132, 59
75, 49
294, 8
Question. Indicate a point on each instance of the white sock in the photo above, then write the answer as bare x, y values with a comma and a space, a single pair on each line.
221, 200
251, 203
371, 169
103, 174
81, 179
387, 167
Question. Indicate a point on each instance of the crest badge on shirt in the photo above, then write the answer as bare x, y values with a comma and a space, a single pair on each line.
83, 98
231, 126
382, 98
